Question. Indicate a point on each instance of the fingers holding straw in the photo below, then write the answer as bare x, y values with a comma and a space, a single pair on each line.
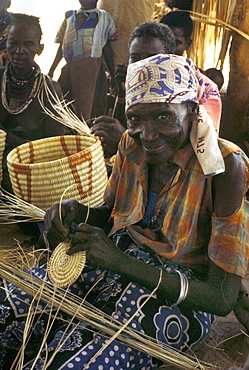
60, 217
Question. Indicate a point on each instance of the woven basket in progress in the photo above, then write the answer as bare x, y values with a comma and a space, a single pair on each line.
42, 170
2, 147
64, 270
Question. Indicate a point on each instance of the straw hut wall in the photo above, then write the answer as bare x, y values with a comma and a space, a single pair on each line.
235, 119
221, 40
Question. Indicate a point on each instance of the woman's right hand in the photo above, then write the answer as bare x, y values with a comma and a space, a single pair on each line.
109, 130
60, 216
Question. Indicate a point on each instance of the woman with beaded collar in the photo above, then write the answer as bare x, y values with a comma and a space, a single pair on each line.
21, 115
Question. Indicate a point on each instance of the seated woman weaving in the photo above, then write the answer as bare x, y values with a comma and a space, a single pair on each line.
177, 217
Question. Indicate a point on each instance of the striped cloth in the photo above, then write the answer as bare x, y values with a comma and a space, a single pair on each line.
190, 231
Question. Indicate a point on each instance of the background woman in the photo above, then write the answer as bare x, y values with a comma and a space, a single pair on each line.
21, 115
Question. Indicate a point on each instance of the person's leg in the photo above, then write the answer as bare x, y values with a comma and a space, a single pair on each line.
82, 347
83, 79
99, 106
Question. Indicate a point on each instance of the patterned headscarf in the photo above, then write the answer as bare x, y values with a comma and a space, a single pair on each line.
171, 78
163, 78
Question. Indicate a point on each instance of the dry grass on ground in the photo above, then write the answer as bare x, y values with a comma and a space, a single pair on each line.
226, 345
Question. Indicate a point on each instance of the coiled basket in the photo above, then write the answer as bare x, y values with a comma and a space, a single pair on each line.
41, 171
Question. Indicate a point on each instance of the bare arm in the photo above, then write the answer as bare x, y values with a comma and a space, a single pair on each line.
228, 188
120, 75
241, 309
217, 294
56, 61
108, 55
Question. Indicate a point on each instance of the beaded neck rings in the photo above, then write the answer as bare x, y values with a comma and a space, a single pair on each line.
20, 85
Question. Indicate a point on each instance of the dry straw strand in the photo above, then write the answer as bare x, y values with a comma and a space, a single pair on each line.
13, 209
212, 30
98, 319
62, 113
126, 324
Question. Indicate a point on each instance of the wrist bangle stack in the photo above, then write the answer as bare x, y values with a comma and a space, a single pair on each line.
183, 288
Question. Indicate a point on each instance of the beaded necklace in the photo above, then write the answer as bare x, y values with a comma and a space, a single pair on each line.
22, 87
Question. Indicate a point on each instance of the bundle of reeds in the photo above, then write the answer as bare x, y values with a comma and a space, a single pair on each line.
14, 210
212, 31
23, 258
103, 324
61, 111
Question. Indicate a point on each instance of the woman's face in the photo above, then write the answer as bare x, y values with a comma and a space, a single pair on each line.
23, 45
88, 4
161, 129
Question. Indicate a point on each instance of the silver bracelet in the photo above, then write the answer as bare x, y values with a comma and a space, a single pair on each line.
183, 288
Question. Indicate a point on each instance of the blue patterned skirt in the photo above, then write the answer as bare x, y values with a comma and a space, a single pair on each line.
180, 327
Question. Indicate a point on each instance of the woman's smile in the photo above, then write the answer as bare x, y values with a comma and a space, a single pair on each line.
153, 148
160, 129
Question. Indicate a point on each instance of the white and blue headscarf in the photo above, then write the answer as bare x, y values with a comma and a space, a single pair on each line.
175, 79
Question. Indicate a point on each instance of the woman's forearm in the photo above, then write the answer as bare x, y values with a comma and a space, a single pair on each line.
56, 61
217, 295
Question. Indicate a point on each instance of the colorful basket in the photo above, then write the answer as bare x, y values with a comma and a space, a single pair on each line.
2, 147
42, 170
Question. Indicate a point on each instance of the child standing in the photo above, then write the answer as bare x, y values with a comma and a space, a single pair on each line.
84, 36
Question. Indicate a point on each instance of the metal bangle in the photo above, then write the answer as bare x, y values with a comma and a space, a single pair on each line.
183, 288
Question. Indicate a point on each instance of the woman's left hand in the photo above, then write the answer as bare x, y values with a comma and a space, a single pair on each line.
101, 251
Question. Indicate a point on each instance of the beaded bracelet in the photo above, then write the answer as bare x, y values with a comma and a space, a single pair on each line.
183, 288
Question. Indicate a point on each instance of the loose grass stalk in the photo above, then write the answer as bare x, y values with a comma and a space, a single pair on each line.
212, 30
14, 209
61, 111
73, 306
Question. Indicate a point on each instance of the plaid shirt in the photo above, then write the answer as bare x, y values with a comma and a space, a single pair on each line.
190, 232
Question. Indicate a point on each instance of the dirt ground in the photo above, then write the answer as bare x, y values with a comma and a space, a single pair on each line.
226, 345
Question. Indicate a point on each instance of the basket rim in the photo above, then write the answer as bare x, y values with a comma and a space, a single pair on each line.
2, 134
95, 144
